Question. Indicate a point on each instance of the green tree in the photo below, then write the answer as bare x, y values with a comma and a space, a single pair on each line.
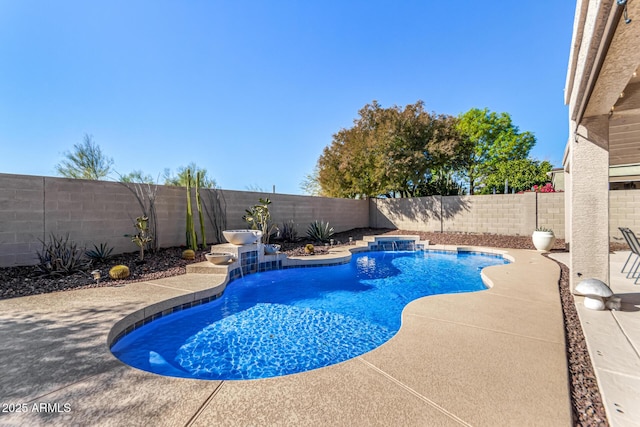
520, 174
87, 161
137, 176
490, 139
181, 179
310, 184
388, 151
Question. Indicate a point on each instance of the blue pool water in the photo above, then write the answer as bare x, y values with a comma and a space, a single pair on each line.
286, 321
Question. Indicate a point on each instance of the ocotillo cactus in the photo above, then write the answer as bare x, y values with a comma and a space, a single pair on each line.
192, 241
199, 176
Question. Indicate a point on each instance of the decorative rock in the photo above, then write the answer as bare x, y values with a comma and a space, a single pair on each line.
594, 291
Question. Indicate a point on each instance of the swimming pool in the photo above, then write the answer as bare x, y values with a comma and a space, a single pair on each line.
287, 321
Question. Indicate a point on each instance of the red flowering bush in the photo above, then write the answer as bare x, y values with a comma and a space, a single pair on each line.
547, 188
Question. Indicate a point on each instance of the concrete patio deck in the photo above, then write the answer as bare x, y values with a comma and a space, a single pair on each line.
613, 339
495, 357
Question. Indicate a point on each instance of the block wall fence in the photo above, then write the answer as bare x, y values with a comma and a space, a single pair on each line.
509, 214
93, 212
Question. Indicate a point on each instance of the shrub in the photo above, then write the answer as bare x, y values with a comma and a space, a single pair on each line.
288, 232
119, 272
100, 253
547, 188
61, 257
320, 231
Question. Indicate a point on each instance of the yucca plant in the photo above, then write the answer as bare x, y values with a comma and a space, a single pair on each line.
100, 253
60, 257
320, 231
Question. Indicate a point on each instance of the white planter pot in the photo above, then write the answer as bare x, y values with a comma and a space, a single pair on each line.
543, 240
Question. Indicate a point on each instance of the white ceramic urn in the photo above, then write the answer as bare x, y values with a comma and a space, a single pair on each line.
543, 240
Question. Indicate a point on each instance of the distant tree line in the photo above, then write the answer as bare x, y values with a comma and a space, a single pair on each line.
409, 152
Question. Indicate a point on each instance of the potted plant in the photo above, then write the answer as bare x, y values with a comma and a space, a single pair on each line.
543, 239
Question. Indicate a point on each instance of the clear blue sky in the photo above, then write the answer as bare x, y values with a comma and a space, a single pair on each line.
254, 90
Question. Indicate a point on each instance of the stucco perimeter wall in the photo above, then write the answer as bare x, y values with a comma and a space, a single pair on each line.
508, 214
93, 212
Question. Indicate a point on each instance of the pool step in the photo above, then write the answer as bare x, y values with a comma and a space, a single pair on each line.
205, 267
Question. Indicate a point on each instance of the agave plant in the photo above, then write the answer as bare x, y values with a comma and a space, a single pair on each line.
320, 231
288, 232
100, 253
59, 257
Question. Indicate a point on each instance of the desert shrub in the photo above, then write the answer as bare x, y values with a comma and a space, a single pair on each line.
60, 256
320, 231
288, 232
100, 253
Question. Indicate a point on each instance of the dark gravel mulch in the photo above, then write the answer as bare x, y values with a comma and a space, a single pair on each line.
586, 402
24, 281
587, 406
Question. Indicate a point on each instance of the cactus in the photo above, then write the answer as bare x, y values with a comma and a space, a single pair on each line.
192, 241
199, 176
119, 272
141, 238
309, 249
188, 254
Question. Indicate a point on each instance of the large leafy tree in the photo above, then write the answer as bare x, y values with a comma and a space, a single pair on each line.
490, 139
389, 151
180, 180
87, 161
520, 175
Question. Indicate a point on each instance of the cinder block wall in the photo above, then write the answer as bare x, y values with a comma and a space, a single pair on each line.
551, 212
21, 218
93, 212
342, 214
508, 214
419, 214
624, 211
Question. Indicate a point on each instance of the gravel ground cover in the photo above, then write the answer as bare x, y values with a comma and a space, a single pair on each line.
587, 406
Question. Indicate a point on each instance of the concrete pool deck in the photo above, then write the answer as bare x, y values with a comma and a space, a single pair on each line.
613, 340
495, 357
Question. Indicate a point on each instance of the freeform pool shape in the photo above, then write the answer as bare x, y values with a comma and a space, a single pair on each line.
287, 321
